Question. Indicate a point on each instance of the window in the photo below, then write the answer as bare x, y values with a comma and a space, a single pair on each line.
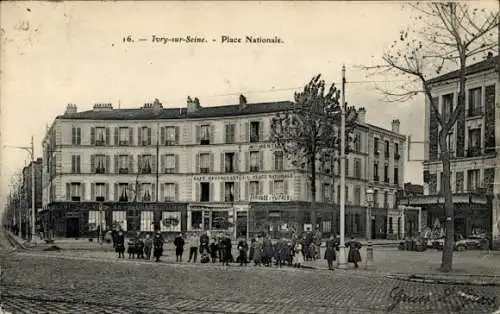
205, 135
220, 220
100, 192
94, 217
76, 136
229, 192
278, 160
229, 162
123, 164
169, 192
396, 151
475, 103
169, 164
391, 228
145, 163
446, 106
254, 161
120, 220
123, 192
375, 198
146, 192
123, 137
386, 173
75, 192
99, 164
459, 182
386, 149
375, 146
375, 172
473, 180
357, 168
357, 195
254, 189
196, 219
327, 192
100, 136
326, 165
449, 140
474, 148
205, 163
75, 164
205, 192
254, 131
279, 187
357, 143
386, 199
147, 221
170, 136
395, 200
396, 175
230, 133
145, 136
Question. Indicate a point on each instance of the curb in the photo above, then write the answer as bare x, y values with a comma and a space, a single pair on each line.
446, 281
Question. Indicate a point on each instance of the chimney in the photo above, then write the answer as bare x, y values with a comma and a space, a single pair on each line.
395, 125
193, 105
361, 115
243, 102
70, 109
489, 55
103, 107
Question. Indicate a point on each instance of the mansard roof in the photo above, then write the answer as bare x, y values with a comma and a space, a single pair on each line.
481, 66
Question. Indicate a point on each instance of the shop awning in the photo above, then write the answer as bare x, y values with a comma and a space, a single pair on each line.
462, 198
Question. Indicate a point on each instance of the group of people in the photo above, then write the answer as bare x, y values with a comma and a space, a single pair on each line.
261, 251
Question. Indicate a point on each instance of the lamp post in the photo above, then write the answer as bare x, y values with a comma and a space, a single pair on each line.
369, 247
342, 255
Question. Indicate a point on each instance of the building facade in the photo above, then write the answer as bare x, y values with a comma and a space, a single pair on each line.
27, 194
206, 168
473, 143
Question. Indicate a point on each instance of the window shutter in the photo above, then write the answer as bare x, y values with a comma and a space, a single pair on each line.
139, 163
273, 161
117, 197
197, 192
271, 187
212, 169
212, 190
92, 136
106, 187
222, 191
153, 164
176, 163
261, 187
236, 162
162, 163
149, 136
198, 134
92, 191
226, 133
162, 135
176, 196
222, 161
107, 136
117, 136
247, 190
177, 135
261, 131
117, 166
261, 161
68, 192
246, 132
92, 163
139, 136
108, 164
197, 163
78, 163
82, 197
212, 133
233, 132
153, 193
131, 164
131, 136
162, 192
73, 135
237, 191
247, 161
285, 187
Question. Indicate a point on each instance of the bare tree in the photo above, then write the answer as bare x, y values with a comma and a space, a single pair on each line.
446, 35
309, 133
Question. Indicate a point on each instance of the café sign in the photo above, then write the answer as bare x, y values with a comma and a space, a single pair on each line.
243, 177
271, 198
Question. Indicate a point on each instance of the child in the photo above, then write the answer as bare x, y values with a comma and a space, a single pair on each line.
131, 248
214, 250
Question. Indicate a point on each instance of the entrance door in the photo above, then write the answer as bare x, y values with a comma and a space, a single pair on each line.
72, 227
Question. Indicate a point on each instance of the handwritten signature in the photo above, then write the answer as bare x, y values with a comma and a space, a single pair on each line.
463, 296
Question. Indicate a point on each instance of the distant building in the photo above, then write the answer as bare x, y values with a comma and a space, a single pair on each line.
206, 168
26, 193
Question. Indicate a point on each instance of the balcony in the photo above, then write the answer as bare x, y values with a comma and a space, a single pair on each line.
204, 142
100, 198
254, 138
146, 170
75, 198
473, 151
204, 170
254, 169
386, 179
100, 170
397, 156
376, 178
123, 143
100, 142
476, 111
123, 170
169, 170
169, 142
376, 152
386, 154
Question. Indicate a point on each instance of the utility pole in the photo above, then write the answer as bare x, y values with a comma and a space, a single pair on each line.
342, 255
33, 214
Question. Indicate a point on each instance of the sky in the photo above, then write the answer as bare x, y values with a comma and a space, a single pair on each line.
55, 53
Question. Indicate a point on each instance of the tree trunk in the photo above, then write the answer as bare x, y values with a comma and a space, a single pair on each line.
449, 207
312, 162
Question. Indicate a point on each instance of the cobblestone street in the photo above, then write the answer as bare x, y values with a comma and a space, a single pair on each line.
41, 283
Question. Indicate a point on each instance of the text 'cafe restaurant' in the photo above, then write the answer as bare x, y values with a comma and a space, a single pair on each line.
253, 203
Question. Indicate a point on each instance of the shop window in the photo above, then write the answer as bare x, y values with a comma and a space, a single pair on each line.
147, 221
196, 219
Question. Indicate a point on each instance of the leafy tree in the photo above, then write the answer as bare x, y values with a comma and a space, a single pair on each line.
445, 35
309, 133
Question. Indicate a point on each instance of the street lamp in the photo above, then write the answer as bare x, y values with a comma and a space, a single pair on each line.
369, 248
31, 151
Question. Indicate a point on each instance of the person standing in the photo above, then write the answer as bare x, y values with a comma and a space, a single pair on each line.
148, 244
298, 257
120, 244
179, 247
214, 250
354, 256
243, 249
158, 246
193, 247
330, 254
204, 243
226, 250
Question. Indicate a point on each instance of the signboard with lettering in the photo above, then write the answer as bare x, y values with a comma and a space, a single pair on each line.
243, 177
270, 198
262, 146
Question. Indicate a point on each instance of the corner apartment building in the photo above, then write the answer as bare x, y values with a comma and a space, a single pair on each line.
473, 143
206, 168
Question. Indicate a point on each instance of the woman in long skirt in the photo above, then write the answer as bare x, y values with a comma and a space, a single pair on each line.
298, 258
